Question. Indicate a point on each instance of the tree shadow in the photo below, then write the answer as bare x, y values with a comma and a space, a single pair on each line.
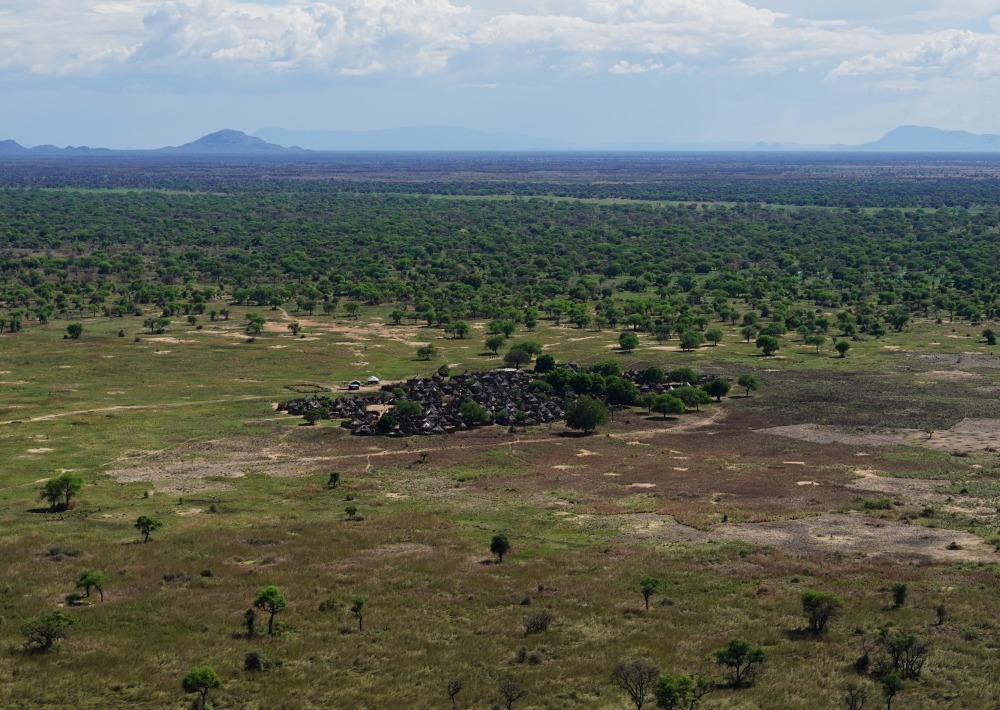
800, 635
573, 434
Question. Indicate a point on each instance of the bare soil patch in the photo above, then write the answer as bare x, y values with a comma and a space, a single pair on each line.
968, 436
862, 536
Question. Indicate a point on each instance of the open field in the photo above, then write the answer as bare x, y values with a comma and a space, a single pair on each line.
738, 509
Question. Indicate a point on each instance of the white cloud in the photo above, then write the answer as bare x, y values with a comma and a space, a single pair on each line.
421, 37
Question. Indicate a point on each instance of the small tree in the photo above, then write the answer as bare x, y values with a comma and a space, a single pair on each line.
691, 340
768, 345
842, 347
91, 580
250, 621
61, 490
628, 341
891, 685
855, 697
898, 595
749, 383
510, 692
649, 585
545, 363
146, 524
426, 352
200, 680
495, 342
990, 337
820, 608
743, 661
586, 413
637, 679
816, 339
41, 634
500, 546
74, 330
454, 687
517, 358
407, 409
714, 335
473, 412
462, 329
358, 609
692, 397
334, 480
681, 692
718, 388
271, 600
668, 404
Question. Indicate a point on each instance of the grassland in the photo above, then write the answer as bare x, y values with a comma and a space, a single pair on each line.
181, 426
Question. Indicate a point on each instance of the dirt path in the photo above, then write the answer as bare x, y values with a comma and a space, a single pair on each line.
126, 407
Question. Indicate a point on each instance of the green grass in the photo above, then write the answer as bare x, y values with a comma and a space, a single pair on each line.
436, 610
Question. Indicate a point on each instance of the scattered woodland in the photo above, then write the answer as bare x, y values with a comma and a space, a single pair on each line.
521, 431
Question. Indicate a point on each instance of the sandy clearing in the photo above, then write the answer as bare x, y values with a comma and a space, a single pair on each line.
949, 374
585, 452
860, 535
42, 450
642, 485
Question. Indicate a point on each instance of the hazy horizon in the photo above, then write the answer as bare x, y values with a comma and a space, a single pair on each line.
150, 73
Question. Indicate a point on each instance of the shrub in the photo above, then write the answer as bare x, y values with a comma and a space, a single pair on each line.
537, 621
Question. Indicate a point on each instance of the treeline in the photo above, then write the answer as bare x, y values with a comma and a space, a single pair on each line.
112, 253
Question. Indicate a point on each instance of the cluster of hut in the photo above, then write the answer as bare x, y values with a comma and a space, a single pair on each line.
507, 396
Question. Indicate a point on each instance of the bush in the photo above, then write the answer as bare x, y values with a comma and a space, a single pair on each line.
537, 622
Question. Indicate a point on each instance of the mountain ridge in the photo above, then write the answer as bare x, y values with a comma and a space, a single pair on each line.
903, 139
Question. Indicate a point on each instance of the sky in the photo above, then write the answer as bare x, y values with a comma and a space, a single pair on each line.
148, 73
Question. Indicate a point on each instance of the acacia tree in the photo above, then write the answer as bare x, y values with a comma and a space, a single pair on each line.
358, 609
146, 524
636, 679
510, 692
768, 345
649, 585
40, 634
500, 546
61, 488
743, 661
270, 599
454, 687
201, 679
718, 388
681, 692
820, 608
628, 341
91, 580
749, 383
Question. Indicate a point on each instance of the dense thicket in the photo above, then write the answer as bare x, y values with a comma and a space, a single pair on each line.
113, 251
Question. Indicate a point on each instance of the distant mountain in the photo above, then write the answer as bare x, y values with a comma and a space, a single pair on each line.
9, 147
229, 142
911, 139
432, 138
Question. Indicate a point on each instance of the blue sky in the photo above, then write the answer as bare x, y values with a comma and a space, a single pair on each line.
145, 73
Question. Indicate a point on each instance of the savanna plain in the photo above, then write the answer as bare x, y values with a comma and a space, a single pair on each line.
831, 499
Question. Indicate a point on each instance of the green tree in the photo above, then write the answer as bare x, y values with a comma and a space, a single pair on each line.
495, 342
201, 679
692, 397
748, 332
768, 344
352, 308
620, 391
91, 580
74, 330
146, 524
473, 412
842, 347
271, 600
517, 358
683, 375
990, 337
649, 585
397, 315
891, 685
691, 340
462, 329
255, 323
607, 368
407, 409
718, 388
653, 375
545, 363
628, 341
668, 404
816, 339
899, 591
742, 660
41, 634
426, 352
500, 546
820, 608
334, 480
586, 414
358, 609
681, 692
749, 383
714, 335
60, 490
